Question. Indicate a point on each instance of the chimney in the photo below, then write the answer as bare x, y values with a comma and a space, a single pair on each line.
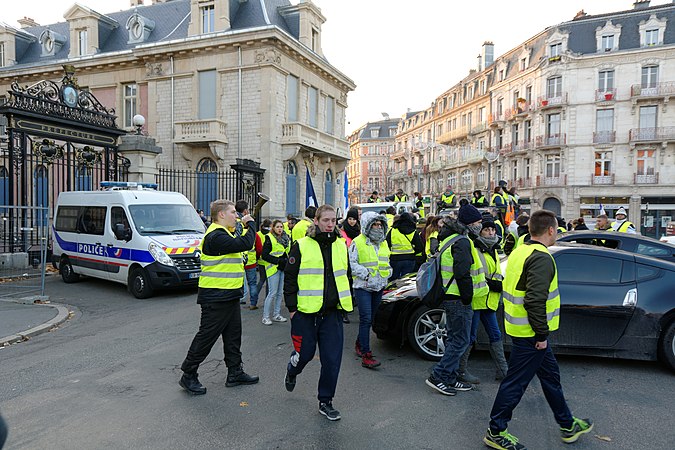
480, 62
488, 53
135, 3
641, 4
580, 15
27, 22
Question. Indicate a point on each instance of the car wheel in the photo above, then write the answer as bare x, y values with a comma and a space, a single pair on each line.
667, 349
139, 283
426, 332
66, 270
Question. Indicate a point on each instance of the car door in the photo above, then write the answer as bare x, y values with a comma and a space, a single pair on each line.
597, 297
92, 252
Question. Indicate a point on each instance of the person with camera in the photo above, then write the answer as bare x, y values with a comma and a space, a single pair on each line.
274, 253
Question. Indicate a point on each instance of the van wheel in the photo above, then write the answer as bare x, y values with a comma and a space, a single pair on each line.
66, 270
667, 349
139, 283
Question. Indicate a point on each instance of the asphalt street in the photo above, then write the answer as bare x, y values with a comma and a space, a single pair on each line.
108, 378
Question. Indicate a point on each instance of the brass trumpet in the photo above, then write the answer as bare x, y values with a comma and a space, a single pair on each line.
258, 206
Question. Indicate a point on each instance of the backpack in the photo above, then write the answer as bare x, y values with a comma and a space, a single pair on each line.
429, 281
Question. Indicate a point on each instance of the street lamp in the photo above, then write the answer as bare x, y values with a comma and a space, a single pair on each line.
138, 121
491, 157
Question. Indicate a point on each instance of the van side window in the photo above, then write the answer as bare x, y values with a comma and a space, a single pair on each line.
118, 216
92, 220
66, 218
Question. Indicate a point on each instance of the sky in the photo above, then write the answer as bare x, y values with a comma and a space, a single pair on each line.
401, 54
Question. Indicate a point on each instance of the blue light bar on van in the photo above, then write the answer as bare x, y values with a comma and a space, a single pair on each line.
127, 185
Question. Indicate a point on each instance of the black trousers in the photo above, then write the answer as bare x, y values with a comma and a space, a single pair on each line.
221, 319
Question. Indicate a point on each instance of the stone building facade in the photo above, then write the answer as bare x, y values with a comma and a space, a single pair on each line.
216, 80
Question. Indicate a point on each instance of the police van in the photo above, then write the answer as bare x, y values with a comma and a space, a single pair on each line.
129, 233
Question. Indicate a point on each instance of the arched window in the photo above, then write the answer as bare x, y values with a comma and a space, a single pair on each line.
452, 180
329, 188
553, 204
41, 193
291, 188
83, 178
467, 179
207, 184
480, 176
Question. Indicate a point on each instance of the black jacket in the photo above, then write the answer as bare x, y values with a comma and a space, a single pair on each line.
406, 225
218, 242
462, 261
538, 272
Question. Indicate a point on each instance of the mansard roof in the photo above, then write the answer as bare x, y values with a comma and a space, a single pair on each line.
387, 129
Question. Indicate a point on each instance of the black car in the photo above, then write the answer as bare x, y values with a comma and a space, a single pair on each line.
613, 304
633, 243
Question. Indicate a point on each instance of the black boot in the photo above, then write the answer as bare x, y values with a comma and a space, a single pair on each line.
191, 384
237, 376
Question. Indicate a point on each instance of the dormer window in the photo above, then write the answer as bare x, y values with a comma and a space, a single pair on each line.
208, 13
607, 37
607, 42
651, 37
555, 50
51, 42
375, 133
556, 45
139, 28
652, 31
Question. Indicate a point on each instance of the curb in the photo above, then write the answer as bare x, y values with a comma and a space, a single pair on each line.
61, 316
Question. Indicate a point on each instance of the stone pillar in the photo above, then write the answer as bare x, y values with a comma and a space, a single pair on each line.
142, 153
635, 211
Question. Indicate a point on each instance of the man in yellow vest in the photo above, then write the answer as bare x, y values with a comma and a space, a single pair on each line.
316, 292
622, 225
289, 224
251, 262
299, 231
405, 242
374, 198
531, 312
478, 199
221, 286
400, 196
448, 199
464, 280
419, 204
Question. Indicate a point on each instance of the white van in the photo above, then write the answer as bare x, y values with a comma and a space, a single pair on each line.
129, 233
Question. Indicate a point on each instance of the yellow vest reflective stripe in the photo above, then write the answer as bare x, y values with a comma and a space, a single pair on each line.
299, 231
311, 273
480, 288
401, 244
370, 259
447, 198
515, 315
427, 244
493, 271
221, 271
277, 250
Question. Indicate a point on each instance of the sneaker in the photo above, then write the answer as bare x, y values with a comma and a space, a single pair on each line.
440, 386
579, 427
266, 321
368, 361
289, 381
327, 410
357, 349
461, 386
279, 318
502, 441
253, 307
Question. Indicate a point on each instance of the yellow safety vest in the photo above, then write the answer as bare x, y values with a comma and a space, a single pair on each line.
401, 244
251, 254
515, 316
311, 272
494, 196
481, 200
221, 271
400, 199
427, 244
390, 220
500, 228
493, 271
370, 259
286, 229
277, 250
623, 228
300, 230
447, 199
480, 287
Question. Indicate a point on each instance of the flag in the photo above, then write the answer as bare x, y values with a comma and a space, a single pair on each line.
345, 200
602, 209
310, 195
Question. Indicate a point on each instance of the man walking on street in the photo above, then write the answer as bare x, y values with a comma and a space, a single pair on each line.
531, 312
221, 286
316, 291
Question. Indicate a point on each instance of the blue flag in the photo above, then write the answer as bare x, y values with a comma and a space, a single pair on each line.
345, 201
310, 195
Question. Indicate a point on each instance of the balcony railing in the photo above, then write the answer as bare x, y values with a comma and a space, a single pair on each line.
301, 134
522, 146
605, 95
554, 140
495, 118
656, 90
201, 131
560, 180
436, 166
604, 137
659, 134
522, 109
479, 128
552, 101
602, 179
505, 149
524, 182
457, 133
646, 179
471, 155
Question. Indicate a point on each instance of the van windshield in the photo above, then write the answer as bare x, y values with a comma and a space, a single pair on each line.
166, 219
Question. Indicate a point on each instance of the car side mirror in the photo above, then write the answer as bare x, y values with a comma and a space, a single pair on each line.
122, 233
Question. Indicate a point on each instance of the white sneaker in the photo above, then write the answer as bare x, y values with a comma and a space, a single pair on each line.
279, 318
266, 321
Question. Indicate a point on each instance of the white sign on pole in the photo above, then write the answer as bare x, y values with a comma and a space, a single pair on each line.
649, 221
665, 220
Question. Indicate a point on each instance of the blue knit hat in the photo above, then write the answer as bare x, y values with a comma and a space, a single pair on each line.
469, 214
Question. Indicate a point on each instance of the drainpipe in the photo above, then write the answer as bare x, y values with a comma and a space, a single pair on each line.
239, 105
173, 121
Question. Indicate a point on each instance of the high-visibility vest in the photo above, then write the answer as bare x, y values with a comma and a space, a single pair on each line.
311, 273
377, 200
562, 230
251, 255
370, 259
515, 314
448, 199
623, 228
478, 201
403, 198
420, 208
299, 231
494, 197
277, 250
401, 244
390, 219
286, 229
221, 271
521, 240
427, 244
500, 229
493, 271
480, 287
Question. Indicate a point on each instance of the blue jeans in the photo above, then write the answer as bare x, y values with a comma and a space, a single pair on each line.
489, 319
368, 303
401, 267
275, 287
251, 285
458, 327
526, 362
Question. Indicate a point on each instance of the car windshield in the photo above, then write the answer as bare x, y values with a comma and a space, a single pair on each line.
166, 219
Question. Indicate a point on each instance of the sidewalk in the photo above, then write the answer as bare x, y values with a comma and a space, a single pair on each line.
22, 318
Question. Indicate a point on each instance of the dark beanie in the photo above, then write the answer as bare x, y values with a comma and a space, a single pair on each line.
488, 223
469, 214
353, 213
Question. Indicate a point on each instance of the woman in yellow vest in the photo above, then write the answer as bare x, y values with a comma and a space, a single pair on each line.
431, 235
404, 243
274, 253
316, 291
369, 261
